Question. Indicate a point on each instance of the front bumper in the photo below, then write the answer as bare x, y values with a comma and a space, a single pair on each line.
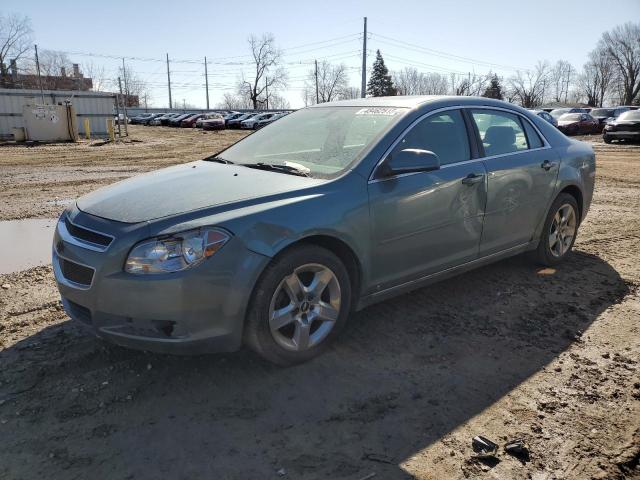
622, 135
200, 310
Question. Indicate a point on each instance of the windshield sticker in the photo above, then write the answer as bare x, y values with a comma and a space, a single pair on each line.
378, 111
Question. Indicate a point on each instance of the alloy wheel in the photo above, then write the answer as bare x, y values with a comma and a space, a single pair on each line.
305, 307
562, 230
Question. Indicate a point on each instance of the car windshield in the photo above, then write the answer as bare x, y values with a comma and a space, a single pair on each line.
571, 117
558, 112
602, 112
630, 115
321, 141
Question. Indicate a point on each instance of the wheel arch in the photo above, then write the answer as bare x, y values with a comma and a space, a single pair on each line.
576, 193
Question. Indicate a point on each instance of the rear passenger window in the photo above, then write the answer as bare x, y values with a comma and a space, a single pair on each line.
532, 136
501, 132
444, 134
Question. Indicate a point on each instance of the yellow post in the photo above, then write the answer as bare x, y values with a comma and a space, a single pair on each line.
110, 129
87, 129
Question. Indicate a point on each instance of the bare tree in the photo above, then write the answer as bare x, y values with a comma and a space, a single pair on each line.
15, 40
410, 81
561, 76
471, 84
528, 87
132, 86
53, 63
232, 101
97, 74
269, 75
350, 93
596, 79
332, 80
622, 44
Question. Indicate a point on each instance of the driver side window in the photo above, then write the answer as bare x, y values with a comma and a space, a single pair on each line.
444, 134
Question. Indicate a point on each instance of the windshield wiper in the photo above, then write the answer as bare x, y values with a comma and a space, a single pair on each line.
215, 158
277, 167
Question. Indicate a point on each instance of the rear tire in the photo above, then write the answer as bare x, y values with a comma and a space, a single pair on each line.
559, 231
299, 305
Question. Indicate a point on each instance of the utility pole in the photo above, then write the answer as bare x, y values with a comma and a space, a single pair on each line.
266, 90
363, 86
39, 77
124, 108
169, 83
206, 80
124, 75
317, 97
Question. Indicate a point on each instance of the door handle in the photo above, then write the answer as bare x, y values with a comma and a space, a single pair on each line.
472, 179
547, 165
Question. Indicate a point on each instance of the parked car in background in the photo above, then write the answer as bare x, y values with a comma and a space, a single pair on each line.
235, 123
264, 122
545, 116
176, 121
165, 119
232, 116
140, 118
191, 120
276, 240
578, 124
603, 115
251, 122
558, 112
158, 120
214, 122
208, 116
625, 127
148, 120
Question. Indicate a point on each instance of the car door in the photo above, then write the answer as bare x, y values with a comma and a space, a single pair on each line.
521, 176
428, 221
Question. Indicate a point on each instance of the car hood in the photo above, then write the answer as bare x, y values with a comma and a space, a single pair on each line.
184, 188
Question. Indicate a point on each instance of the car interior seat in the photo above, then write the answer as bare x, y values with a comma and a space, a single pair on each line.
498, 140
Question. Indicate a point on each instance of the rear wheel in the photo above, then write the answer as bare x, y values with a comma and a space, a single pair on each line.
299, 305
560, 230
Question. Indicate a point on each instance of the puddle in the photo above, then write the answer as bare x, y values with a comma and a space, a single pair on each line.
60, 202
25, 243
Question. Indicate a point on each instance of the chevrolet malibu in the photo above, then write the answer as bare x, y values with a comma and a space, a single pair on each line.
273, 242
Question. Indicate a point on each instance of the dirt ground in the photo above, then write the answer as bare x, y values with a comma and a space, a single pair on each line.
507, 351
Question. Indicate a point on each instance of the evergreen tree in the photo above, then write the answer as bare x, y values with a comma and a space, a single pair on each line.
494, 90
380, 83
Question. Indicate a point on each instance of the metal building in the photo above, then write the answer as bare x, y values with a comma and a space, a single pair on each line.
95, 106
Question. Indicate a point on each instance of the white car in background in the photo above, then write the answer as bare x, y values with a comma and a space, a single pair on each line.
251, 123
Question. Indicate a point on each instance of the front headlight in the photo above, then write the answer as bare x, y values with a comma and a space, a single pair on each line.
177, 252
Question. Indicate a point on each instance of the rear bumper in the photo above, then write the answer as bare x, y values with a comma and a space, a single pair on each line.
195, 311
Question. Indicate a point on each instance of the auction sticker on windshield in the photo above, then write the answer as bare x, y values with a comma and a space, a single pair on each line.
378, 111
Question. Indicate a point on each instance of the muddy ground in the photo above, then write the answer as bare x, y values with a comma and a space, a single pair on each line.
506, 351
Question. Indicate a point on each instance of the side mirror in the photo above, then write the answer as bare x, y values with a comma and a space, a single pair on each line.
410, 160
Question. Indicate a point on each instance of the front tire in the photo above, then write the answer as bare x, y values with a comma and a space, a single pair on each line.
606, 138
559, 231
299, 305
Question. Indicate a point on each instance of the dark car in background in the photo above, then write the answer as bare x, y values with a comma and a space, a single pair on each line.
176, 121
603, 115
232, 116
276, 240
578, 124
236, 122
625, 127
191, 120
141, 118
266, 121
545, 116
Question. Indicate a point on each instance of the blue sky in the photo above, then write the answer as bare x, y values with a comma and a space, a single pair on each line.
499, 35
